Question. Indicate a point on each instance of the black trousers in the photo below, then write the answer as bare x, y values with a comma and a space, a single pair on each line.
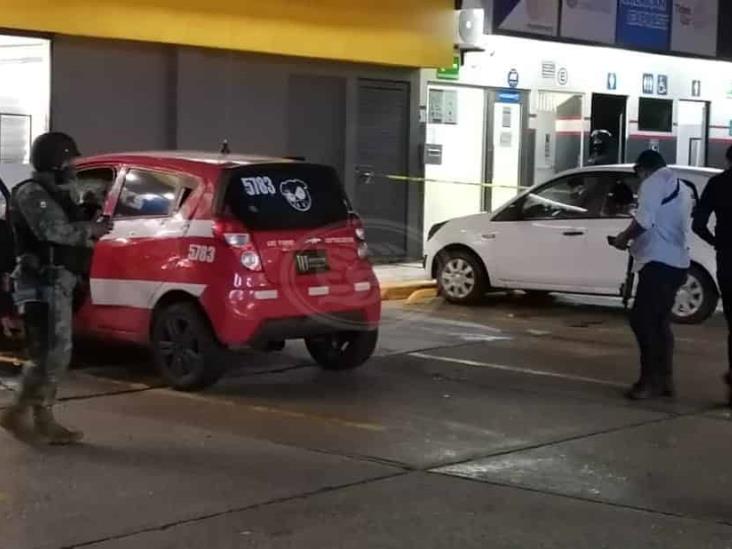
651, 321
724, 278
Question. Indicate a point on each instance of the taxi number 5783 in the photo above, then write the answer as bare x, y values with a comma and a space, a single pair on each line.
203, 254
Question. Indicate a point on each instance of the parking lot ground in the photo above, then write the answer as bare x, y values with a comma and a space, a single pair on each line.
501, 425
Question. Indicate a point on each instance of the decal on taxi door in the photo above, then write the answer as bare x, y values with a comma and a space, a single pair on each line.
203, 254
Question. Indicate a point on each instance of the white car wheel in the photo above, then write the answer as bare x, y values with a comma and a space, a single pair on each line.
696, 300
461, 278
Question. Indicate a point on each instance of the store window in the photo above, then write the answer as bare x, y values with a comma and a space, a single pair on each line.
560, 133
655, 115
25, 91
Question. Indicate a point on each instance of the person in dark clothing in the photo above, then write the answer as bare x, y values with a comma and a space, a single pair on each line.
717, 199
603, 149
54, 247
90, 206
7, 263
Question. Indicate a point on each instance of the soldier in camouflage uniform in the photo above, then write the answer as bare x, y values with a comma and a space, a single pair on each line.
54, 247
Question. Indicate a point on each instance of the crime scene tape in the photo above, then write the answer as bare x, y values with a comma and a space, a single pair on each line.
412, 179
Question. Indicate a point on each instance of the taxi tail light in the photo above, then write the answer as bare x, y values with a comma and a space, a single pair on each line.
360, 233
235, 236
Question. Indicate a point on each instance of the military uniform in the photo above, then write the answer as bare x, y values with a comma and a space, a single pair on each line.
45, 282
54, 246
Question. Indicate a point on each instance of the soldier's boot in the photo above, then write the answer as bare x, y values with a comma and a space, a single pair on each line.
52, 432
16, 421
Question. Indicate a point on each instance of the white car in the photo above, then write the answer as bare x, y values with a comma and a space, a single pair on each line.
553, 238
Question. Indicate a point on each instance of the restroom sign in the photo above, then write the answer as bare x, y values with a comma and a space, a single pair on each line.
649, 83
696, 88
513, 78
662, 87
612, 81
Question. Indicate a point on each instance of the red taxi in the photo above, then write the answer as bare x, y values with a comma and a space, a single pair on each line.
212, 252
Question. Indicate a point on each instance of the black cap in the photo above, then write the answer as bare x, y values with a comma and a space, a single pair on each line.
650, 160
50, 151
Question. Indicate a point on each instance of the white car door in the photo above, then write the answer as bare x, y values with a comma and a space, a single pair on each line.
541, 241
604, 266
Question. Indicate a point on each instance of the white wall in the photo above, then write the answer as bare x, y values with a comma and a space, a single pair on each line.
25, 90
587, 69
462, 160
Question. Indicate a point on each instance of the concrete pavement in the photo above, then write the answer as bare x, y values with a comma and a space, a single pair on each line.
496, 426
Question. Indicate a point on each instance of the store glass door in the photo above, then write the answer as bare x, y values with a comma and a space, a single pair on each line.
693, 132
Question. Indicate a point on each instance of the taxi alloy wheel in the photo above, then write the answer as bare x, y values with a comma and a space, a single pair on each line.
184, 348
342, 350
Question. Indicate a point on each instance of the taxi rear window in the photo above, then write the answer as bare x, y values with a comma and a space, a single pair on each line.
286, 196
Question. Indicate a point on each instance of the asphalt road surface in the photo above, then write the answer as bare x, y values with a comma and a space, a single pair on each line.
497, 426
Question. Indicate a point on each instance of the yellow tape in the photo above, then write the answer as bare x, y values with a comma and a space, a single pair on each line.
410, 179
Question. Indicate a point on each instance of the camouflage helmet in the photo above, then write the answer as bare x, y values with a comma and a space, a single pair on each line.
52, 151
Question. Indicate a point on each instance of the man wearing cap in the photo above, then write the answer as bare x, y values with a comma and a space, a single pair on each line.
658, 241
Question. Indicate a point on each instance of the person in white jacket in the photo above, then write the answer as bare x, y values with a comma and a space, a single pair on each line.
658, 238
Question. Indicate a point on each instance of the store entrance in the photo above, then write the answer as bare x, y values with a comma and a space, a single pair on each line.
609, 114
505, 128
693, 133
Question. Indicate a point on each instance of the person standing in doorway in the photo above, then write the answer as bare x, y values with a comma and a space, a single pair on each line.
658, 241
717, 199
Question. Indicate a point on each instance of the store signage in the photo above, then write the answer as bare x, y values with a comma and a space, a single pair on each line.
562, 76
443, 106
513, 78
509, 97
433, 154
694, 27
591, 20
527, 16
644, 24
649, 81
612, 81
662, 87
450, 73
696, 88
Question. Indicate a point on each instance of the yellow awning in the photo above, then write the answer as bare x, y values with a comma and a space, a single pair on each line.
417, 33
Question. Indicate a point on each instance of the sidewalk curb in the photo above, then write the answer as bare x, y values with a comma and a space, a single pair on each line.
395, 291
425, 295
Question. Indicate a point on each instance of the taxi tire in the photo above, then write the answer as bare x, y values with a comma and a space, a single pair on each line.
331, 354
198, 332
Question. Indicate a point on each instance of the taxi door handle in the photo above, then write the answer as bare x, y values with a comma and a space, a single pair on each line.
574, 233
